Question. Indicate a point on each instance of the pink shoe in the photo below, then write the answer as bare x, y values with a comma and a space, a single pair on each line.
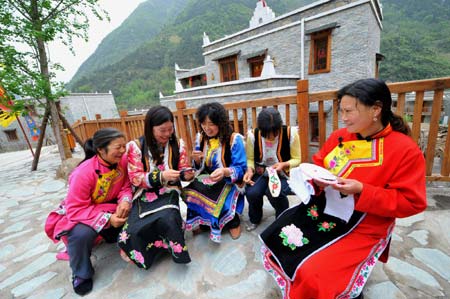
63, 255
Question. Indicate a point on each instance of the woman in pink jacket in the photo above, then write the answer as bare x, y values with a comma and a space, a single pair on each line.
97, 204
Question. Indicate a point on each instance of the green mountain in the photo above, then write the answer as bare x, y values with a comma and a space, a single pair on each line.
415, 41
144, 23
139, 76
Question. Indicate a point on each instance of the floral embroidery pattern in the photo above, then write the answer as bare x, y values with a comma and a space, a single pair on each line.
149, 197
326, 226
103, 185
124, 236
137, 257
102, 222
312, 212
173, 247
342, 155
292, 237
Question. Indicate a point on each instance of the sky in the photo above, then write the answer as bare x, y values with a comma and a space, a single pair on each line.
118, 12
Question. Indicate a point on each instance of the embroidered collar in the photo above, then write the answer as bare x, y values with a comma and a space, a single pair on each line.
386, 131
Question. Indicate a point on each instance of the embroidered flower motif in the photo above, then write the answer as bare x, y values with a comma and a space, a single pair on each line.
123, 237
312, 212
162, 190
371, 261
173, 247
150, 196
360, 280
341, 156
281, 282
326, 226
292, 237
161, 167
137, 256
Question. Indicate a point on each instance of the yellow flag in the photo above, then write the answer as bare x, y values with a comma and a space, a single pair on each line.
6, 117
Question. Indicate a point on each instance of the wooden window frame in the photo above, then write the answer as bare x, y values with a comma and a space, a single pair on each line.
313, 49
228, 60
256, 60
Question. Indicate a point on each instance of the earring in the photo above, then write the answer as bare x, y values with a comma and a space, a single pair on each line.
375, 119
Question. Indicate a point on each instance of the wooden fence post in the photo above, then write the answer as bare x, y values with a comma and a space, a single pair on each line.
182, 125
97, 118
123, 114
83, 123
303, 117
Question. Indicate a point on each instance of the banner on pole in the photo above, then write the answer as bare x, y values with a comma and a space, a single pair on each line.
6, 116
34, 130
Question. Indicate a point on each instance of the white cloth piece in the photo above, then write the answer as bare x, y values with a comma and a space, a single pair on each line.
337, 206
298, 182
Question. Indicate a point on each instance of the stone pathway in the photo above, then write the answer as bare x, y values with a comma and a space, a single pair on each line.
419, 264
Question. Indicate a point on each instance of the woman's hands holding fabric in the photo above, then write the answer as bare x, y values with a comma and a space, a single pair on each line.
117, 221
170, 175
248, 176
123, 209
218, 174
197, 156
348, 186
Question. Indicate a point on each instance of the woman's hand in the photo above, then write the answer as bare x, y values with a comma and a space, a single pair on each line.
123, 209
197, 156
280, 166
117, 221
218, 174
187, 174
248, 177
348, 186
170, 175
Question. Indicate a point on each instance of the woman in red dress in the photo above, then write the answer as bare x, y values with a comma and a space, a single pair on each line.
381, 176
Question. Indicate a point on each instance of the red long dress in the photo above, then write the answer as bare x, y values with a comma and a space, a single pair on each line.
392, 170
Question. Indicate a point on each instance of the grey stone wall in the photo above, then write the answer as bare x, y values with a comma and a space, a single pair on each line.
353, 47
354, 44
21, 144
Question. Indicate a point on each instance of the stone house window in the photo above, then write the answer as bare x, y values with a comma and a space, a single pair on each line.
320, 52
228, 69
11, 135
256, 65
194, 81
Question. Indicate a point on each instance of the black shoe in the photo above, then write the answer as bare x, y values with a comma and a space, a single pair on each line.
82, 286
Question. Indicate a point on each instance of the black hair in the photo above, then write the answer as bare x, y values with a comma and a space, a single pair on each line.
156, 116
374, 92
219, 116
101, 139
269, 121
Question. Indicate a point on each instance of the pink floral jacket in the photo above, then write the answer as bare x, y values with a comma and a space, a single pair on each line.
93, 195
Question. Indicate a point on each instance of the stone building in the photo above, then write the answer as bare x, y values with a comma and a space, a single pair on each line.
74, 106
329, 42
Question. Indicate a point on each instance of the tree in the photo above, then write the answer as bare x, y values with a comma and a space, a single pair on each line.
26, 29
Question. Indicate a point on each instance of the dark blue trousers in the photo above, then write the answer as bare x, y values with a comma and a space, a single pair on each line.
255, 193
80, 243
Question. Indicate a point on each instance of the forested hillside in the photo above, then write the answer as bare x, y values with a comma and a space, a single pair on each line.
415, 39
136, 67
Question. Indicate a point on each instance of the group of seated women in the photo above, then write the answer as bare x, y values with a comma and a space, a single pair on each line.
130, 193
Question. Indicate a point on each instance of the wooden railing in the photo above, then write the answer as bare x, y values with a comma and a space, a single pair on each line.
296, 111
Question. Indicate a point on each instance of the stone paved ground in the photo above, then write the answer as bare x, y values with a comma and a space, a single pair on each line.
419, 264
